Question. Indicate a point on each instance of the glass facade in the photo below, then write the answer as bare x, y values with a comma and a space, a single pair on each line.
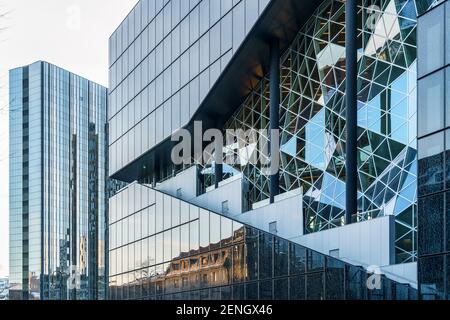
164, 248
312, 119
164, 58
58, 157
434, 152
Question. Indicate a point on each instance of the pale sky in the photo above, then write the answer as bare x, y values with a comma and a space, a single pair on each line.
72, 34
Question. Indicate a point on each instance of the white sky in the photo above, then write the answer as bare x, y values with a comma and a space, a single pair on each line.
50, 30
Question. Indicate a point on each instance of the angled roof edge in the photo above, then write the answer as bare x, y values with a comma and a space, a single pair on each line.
281, 19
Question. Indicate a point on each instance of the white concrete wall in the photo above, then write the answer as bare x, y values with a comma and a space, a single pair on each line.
186, 180
365, 243
287, 211
403, 273
229, 190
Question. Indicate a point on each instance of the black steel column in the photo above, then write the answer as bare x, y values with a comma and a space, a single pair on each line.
351, 163
218, 173
274, 109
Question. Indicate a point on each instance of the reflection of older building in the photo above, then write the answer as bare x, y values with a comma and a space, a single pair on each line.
57, 183
173, 250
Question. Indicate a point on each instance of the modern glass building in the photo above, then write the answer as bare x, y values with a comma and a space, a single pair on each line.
277, 64
58, 172
433, 148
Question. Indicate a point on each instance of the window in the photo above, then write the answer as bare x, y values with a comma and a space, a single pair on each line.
204, 230
447, 41
314, 286
334, 279
265, 255
226, 231
214, 231
430, 49
273, 227
225, 208
431, 222
184, 240
297, 288
266, 290
194, 237
315, 260
431, 103
447, 89
431, 273
176, 243
159, 248
280, 257
431, 164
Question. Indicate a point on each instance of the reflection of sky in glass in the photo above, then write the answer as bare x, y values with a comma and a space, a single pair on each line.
316, 141
313, 154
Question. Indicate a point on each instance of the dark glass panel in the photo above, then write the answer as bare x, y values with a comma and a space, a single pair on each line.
265, 255
251, 291
281, 289
194, 295
431, 224
315, 261
177, 297
447, 220
401, 291
280, 257
297, 259
431, 277
447, 275
225, 293
356, 288
335, 277
215, 293
204, 294
239, 292
314, 286
265, 290
297, 288
431, 164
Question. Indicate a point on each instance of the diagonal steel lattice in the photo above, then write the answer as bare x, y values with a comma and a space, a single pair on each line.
313, 118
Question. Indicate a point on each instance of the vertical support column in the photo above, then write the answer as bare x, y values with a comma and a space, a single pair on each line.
274, 110
218, 173
351, 162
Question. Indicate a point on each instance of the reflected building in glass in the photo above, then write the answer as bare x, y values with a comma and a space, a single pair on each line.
256, 65
163, 248
58, 172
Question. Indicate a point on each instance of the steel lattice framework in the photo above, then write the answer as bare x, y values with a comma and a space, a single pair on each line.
313, 119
